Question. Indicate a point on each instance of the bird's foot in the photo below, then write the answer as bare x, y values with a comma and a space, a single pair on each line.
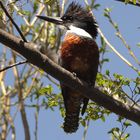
74, 74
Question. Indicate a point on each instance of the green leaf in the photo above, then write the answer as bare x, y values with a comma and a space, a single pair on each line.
27, 13
83, 122
134, 1
106, 15
118, 76
115, 129
126, 1
138, 44
116, 26
120, 118
107, 72
108, 10
1, 13
103, 118
52, 103
127, 123
127, 136
49, 2
104, 60
96, 6
35, 6
62, 112
45, 90
23, 27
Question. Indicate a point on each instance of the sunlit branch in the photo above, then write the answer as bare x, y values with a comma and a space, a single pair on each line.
116, 52
43, 62
19, 13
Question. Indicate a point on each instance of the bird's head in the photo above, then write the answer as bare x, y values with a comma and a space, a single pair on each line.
75, 16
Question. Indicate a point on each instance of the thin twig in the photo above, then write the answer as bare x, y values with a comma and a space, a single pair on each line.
36, 121
12, 126
11, 2
40, 10
115, 51
4, 129
21, 102
63, 6
112, 47
85, 130
32, 85
16, 26
37, 35
13, 65
51, 79
4, 109
119, 35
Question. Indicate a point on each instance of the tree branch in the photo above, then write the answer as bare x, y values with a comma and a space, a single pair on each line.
13, 65
43, 62
137, 3
13, 22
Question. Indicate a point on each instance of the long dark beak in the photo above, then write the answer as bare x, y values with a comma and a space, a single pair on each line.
55, 20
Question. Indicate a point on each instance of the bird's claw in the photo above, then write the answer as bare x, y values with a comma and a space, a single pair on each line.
74, 74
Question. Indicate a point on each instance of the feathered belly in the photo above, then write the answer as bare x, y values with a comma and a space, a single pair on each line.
79, 64
79, 54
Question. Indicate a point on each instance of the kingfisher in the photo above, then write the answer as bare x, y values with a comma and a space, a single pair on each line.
79, 54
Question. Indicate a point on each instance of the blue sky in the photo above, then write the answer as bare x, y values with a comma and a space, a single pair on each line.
127, 17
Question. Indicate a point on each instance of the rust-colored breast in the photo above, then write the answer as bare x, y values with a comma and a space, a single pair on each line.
78, 54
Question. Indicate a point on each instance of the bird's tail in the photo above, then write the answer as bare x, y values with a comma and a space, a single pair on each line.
71, 121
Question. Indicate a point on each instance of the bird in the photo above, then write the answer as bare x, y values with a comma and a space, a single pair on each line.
79, 54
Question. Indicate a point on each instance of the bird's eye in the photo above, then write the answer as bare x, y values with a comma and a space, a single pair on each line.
67, 18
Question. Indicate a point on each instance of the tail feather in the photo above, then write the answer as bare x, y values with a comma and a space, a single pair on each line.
71, 121
72, 102
85, 103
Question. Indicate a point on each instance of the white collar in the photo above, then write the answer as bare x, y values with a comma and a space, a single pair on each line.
79, 31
